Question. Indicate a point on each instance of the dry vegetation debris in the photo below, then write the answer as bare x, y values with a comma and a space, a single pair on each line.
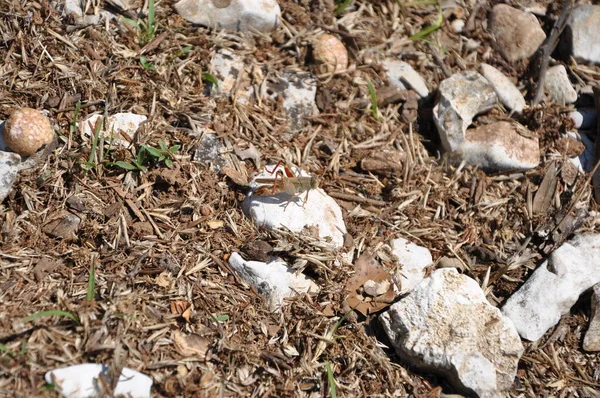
163, 237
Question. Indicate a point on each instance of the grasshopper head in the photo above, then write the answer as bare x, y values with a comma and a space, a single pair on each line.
314, 182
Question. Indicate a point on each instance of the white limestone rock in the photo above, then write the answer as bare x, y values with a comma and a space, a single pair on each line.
82, 381
412, 260
317, 212
591, 341
446, 325
461, 97
274, 279
9, 168
559, 86
401, 75
555, 286
118, 127
517, 33
508, 94
500, 146
237, 15
297, 92
581, 37
226, 67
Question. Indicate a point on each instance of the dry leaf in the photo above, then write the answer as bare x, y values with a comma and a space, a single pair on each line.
368, 269
235, 176
182, 308
163, 279
250, 153
191, 345
215, 224
545, 193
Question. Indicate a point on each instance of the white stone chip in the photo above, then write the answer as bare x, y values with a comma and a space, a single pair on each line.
446, 325
508, 94
274, 279
559, 86
403, 76
581, 37
412, 261
81, 381
116, 129
236, 15
555, 286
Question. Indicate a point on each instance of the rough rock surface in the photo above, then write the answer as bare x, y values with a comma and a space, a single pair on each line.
126, 122
581, 37
518, 34
555, 286
9, 167
559, 86
462, 96
317, 212
508, 94
298, 92
447, 326
274, 279
238, 15
591, 341
403, 76
226, 67
500, 146
412, 260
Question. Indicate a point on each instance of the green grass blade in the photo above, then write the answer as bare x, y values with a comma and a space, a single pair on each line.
92, 281
150, 28
331, 381
42, 314
95, 142
373, 95
342, 7
423, 33
210, 78
124, 165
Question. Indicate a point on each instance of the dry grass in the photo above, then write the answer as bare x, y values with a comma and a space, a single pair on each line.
149, 236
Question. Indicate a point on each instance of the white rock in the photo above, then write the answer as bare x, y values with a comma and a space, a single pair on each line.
457, 25
559, 86
238, 15
298, 92
116, 125
81, 381
585, 161
274, 279
461, 97
9, 168
584, 118
555, 286
412, 260
319, 212
447, 326
518, 34
401, 75
581, 37
508, 94
500, 146
591, 341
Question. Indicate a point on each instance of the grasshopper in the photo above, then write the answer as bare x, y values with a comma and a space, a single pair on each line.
285, 181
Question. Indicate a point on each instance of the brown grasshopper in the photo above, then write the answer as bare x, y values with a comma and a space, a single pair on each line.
285, 181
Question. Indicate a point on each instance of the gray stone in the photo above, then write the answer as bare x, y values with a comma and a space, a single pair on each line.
555, 286
559, 86
581, 37
591, 341
209, 151
500, 146
461, 97
518, 34
508, 94
298, 92
238, 15
403, 76
446, 325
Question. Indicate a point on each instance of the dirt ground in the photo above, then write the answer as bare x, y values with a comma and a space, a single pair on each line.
159, 240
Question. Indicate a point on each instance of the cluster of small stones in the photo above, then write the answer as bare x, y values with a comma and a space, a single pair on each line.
442, 322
